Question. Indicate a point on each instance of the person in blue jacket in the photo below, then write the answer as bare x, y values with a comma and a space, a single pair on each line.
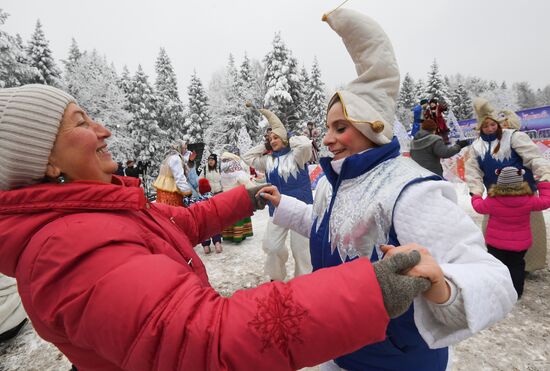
285, 166
418, 116
373, 201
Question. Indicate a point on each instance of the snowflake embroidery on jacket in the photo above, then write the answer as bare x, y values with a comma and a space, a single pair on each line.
278, 319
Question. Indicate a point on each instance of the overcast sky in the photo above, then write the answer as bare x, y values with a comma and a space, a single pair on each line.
493, 39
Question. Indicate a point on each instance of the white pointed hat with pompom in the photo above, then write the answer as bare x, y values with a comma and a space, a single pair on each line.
369, 101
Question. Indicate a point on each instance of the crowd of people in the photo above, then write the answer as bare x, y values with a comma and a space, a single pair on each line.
114, 282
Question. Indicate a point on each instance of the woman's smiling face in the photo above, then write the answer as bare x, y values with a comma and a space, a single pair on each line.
342, 138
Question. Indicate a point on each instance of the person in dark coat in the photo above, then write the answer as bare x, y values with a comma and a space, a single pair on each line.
435, 112
131, 169
427, 148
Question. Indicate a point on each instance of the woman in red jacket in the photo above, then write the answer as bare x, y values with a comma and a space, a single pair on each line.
113, 281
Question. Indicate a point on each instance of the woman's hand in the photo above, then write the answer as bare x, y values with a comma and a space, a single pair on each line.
428, 268
271, 194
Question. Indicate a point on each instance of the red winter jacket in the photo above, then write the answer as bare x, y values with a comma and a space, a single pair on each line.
114, 283
509, 226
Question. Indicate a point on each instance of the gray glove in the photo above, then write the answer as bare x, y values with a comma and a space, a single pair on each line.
257, 202
398, 290
463, 143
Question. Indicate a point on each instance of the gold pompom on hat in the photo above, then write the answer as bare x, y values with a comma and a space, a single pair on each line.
369, 101
483, 110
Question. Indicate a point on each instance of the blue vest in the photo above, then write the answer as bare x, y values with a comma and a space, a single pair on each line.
490, 164
404, 348
297, 186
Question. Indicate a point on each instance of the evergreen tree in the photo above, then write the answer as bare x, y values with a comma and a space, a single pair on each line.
198, 117
171, 113
435, 86
282, 84
419, 90
407, 93
503, 85
74, 55
317, 99
462, 104
15, 69
543, 96
150, 142
93, 83
251, 93
525, 96
125, 82
303, 93
40, 57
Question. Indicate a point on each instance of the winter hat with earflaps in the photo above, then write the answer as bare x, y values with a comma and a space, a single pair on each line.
483, 110
30, 117
369, 101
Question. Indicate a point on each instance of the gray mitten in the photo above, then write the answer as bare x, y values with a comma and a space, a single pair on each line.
398, 290
257, 202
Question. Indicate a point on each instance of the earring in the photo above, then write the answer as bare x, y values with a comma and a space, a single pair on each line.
60, 179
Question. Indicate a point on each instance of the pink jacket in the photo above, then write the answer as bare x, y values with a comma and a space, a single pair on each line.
114, 282
509, 226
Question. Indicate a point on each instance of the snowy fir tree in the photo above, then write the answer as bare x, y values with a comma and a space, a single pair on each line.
303, 93
74, 55
419, 90
501, 99
526, 97
406, 101
125, 82
171, 112
40, 57
407, 93
251, 92
282, 83
150, 142
14, 66
543, 96
317, 98
93, 83
198, 117
435, 85
244, 142
461, 103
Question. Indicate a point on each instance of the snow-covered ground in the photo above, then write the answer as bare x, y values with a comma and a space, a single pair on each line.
519, 342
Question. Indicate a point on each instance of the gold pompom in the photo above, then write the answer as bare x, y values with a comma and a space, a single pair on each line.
324, 18
377, 126
248, 104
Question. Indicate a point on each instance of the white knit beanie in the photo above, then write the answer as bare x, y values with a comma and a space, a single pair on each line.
30, 117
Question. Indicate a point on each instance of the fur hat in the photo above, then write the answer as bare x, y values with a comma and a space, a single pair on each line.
369, 101
511, 117
483, 110
204, 186
30, 117
275, 123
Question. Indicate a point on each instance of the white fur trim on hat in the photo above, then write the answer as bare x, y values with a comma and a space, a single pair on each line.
513, 119
30, 117
277, 126
483, 110
369, 101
